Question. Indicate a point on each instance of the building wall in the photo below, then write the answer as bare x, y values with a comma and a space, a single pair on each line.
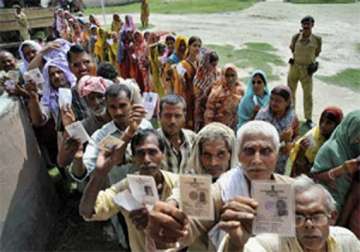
28, 202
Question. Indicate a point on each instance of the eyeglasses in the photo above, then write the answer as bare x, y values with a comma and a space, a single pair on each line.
257, 82
230, 75
319, 219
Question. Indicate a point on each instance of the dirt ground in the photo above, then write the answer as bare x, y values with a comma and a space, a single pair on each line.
275, 22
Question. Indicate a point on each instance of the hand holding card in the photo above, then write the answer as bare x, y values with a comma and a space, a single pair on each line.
276, 210
65, 97
110, 142
77, 131
195, 196
143, 188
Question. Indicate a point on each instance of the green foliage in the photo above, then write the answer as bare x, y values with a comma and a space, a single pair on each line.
349, 78
179, 6
254, 55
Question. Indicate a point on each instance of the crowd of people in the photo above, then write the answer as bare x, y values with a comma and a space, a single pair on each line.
205, 122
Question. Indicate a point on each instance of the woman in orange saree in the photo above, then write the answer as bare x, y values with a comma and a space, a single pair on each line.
186, 71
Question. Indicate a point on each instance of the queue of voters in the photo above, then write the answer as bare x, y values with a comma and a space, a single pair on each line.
180, 153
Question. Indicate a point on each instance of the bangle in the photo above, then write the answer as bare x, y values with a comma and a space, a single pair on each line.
331, 176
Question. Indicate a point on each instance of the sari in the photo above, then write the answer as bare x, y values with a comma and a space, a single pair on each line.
141, 68
223, 100
113, 48
288, 120
247, 107
155, 69
125, 56
316, 140
340, 147
183, 86
204, 79
116, 26
169, 74
99, 49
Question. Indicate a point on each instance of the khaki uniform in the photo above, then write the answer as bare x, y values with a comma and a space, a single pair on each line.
305, 51
23, 26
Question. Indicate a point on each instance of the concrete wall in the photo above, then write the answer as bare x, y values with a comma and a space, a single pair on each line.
28, 203
97, 3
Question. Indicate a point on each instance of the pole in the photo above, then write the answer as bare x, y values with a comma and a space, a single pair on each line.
103, 10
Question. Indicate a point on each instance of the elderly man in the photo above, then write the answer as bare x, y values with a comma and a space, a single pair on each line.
315, 212
258, 145
7, 61
148, 150
92, 89
178, 141
126, 119
213, 151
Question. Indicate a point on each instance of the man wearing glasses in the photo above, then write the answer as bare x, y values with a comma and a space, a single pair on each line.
315, 213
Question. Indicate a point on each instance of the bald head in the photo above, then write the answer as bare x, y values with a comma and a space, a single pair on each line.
7, 61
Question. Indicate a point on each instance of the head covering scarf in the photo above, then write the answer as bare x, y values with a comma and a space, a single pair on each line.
340, 147
93, 20
24, 65
226, 68
333, 113
206, 73
218, 128
50, 95
58, 52
315, 137
129, 24
248, 103
174, 58
88, 84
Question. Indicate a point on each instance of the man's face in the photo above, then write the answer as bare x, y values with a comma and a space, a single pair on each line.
18, 10
326, 127
258, 157
307, 26
172, 118
148, 156
96, 103
119, 108
57, 77
7, 62
312, 236
215, 157
81, 64
29, 53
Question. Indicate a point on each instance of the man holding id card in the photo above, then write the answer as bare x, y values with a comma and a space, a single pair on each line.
148, 153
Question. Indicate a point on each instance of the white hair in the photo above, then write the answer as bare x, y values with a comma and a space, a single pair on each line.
303, 184
258, 128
